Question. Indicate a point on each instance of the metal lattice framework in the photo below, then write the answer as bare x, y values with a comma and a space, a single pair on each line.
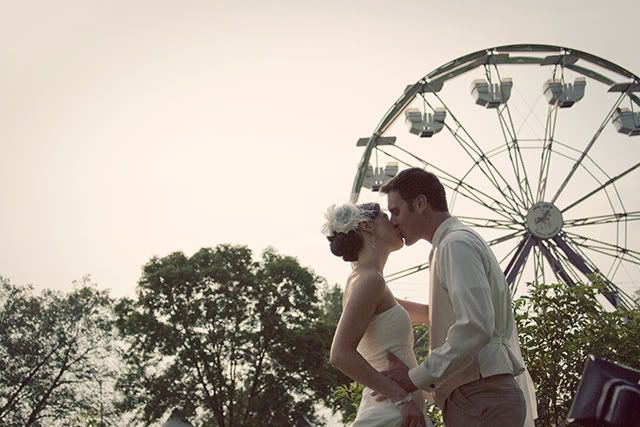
542, 162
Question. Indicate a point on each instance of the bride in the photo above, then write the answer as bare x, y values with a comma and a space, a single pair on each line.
373, 322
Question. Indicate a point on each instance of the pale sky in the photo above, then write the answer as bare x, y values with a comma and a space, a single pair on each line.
130, 129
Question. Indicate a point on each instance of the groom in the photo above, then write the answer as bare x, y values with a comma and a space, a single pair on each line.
471, 366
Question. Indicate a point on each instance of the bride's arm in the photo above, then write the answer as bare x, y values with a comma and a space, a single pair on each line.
419, 313
366, 293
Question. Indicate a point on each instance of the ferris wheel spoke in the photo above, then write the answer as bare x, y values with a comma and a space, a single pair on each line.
586, 150
601, 187
505, 238
605, 248
490, 171
545, 157
589, 172
489, 223
513, 149
603, 219
518, 280
406, 272
510, 253
617, 262
456, 184
513, 146
538, 265
473, 150
461, 187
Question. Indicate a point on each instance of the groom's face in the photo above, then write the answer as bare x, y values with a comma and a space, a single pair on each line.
404, 217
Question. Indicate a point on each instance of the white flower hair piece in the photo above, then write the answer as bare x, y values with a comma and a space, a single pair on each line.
347, 217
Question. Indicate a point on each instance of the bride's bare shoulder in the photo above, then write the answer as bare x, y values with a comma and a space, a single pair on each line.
366, 278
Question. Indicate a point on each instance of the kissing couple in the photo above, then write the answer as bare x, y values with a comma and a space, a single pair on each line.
474, 371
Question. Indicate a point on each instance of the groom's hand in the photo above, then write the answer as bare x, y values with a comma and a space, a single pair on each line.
399, 372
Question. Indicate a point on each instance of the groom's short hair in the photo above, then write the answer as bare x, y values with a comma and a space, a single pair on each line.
415, 181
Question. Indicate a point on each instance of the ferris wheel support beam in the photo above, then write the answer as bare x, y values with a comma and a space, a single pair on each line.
584, 153
573, 257
610, 293
605, 248
622, 297
555, 264
519, 259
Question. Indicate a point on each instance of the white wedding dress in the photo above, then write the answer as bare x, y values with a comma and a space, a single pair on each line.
389, 331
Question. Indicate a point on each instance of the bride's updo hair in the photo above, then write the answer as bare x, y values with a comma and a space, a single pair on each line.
346, 245
342, 226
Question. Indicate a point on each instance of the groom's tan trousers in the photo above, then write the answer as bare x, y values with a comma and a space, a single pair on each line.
495, 401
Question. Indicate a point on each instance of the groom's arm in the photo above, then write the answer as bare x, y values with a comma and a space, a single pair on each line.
419, 313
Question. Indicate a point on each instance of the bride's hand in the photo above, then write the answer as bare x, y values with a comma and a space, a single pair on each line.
411, 415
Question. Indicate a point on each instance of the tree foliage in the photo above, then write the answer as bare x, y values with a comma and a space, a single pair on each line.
226, 339
53, 354
558, 327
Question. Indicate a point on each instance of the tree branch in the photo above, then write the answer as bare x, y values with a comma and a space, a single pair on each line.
40, 405
13, 399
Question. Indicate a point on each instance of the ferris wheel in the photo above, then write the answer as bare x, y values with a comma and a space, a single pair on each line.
534, 145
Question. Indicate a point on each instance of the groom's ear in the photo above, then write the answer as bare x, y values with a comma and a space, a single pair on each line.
420, 203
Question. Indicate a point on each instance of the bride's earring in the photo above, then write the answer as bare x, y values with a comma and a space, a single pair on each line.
373, 243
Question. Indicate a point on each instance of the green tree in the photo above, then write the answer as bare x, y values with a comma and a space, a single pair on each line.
227, 340
54, 355
558, 327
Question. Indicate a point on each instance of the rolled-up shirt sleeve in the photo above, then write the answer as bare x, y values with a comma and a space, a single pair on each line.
460, 267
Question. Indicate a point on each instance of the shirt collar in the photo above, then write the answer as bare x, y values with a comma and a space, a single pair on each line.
442, 229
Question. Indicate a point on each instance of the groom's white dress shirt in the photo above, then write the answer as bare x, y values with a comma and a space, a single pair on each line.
470, 312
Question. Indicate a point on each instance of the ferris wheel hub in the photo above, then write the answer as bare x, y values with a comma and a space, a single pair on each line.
544, 220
